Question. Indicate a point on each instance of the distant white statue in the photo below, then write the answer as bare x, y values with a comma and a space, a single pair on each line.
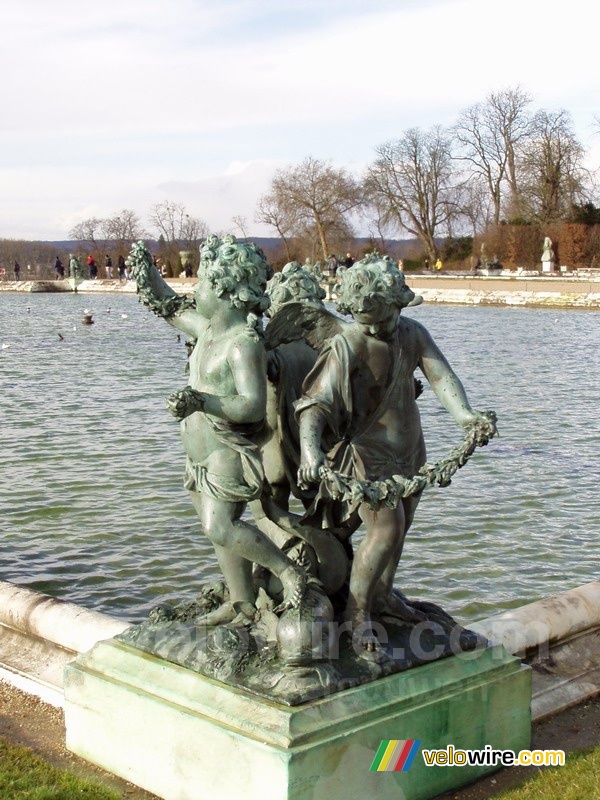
548, 256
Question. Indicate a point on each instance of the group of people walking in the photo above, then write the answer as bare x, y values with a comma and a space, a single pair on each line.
92, 266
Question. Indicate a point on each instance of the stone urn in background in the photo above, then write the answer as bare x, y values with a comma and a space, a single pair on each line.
186, 261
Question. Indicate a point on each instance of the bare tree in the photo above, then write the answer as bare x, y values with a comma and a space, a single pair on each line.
378, 227
124, 227
177, 231
273, 210
412, 185
193, 231
475, 205
314, 193
551, 169
90, 232
241, 223
307, 240
176, 225
490, 135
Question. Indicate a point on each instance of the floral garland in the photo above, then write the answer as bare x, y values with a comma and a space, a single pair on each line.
143, 270
390, 492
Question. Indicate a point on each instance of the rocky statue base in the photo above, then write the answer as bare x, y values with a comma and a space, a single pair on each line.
183, 736
300, 654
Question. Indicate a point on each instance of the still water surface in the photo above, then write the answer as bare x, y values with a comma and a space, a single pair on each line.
92, 509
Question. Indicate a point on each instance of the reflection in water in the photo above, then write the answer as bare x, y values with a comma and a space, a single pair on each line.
92, 508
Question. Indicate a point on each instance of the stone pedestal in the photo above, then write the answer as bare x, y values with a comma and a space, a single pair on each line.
187, 737
547, 266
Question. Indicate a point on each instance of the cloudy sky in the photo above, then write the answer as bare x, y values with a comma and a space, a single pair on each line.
112, 104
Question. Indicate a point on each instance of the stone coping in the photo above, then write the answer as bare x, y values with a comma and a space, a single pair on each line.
545, 621
555, 292
505, 283
100, 285
70, 626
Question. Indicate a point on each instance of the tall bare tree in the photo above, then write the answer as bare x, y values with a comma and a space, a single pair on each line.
412, 184
490, 135
315, 193
176, 225
475, 203
241, 223
307, 241
378, 226
89, 232
124, 227
274, 210
177, 231
98, 235
551, 168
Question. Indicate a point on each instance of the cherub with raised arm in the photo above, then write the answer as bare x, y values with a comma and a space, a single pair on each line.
221, 410
358, 416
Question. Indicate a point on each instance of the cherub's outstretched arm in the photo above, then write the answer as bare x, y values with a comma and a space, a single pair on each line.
158, 296
444, 381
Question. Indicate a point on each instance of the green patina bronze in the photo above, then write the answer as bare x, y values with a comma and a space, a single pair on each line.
75, 267
324, 409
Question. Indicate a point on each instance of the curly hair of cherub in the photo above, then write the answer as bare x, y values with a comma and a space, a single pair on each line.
374, 276
294, 282
238, 269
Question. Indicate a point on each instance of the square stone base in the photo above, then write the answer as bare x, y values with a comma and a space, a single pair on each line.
183, 736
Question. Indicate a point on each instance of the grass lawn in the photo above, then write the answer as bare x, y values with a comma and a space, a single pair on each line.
26, 776
579, 779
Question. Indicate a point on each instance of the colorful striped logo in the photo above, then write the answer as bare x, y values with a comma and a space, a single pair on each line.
395, 755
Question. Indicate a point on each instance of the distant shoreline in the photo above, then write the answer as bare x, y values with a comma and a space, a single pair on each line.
98, 286
553, 291
509, 290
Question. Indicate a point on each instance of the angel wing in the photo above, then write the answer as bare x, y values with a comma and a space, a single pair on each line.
303, 320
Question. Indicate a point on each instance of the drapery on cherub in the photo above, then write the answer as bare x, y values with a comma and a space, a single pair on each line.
359, 417
220, 410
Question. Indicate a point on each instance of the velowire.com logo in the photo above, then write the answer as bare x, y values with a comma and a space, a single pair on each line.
395, 755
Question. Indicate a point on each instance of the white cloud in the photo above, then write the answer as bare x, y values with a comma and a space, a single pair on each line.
218, 198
